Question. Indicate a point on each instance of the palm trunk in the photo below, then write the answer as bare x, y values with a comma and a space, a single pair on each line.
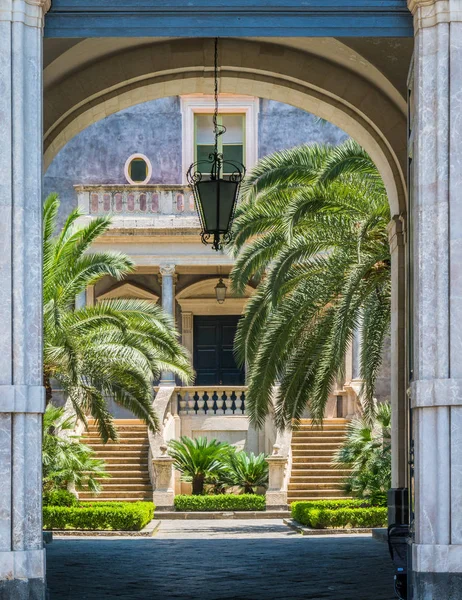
48, 389
198, 485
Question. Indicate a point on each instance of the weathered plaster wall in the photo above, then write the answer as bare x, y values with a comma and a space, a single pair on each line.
98, 154
283, 126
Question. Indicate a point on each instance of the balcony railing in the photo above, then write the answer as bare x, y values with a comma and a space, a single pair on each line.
130, 200
213, 400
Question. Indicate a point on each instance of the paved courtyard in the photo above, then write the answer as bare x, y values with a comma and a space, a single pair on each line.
220, 560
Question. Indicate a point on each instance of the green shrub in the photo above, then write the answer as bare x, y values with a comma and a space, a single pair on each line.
298, 509
122, 516
356, 514
220, 502
59, 497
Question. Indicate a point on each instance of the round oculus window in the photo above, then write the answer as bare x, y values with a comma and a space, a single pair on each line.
138, 169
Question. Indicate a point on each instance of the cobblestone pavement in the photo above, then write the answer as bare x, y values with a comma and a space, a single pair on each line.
220, 560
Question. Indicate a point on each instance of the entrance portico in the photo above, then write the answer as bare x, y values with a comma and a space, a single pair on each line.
340, 80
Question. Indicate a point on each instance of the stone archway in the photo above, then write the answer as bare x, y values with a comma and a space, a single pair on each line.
307, 81
364, 106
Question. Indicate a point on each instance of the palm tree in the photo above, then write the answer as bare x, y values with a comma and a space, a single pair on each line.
367, 452
114, 349
66, 461
247, 471
200, 461
311, 232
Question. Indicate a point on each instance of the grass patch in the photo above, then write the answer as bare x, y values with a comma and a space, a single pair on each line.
220, 502
99, 516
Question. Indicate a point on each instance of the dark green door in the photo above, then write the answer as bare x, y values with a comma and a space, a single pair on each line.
214, 351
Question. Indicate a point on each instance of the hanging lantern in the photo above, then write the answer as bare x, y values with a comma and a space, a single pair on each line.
215, 184
220, 291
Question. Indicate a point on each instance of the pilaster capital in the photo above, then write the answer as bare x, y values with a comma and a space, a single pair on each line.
167, 270
29, 12
397, 228
428, 13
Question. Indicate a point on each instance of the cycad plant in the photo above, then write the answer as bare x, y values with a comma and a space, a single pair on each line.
114, 349
247, 471
67, 463
311, 232
200, 461
367, 452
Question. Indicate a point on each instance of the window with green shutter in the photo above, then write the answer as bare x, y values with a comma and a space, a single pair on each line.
231, 144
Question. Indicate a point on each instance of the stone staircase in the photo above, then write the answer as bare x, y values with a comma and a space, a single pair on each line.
313, 477
126, 462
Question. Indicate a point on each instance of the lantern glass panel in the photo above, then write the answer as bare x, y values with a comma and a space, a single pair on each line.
217, 200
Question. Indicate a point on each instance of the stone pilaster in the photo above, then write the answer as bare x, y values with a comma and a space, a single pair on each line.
436, 392
22, 399
399, 404
167, 273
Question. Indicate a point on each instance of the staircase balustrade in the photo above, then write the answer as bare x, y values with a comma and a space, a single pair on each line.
218, 400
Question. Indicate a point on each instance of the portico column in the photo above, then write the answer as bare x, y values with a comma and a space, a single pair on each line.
436, 237
167, 273
22, 397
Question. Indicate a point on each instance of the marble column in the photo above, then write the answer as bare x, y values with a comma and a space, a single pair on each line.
167, 273
436, 238
22, 398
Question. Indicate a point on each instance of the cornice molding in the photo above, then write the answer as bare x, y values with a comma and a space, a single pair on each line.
428, 13
29, 12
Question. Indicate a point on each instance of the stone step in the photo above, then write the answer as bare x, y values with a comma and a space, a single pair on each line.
124, 461
123, 456
300, 479
305, 472
325, 421
117, 495
306, 454
316, 485
316, 494
112, 486
141, 479
304, 438
104, 498
315, 445
122, 471
119, 447
127, 438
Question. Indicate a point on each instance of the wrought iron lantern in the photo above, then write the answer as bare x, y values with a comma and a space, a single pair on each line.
220, 291
215, 184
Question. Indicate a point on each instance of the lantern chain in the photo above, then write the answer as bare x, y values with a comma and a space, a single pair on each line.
218, 129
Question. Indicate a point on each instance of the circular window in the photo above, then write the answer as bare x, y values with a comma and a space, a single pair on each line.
138, 169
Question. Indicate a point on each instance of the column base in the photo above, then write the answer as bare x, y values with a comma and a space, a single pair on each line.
23, 589
276, 500
432, 586
163, 500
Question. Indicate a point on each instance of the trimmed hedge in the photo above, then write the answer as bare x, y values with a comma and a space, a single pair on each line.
299, 508
338, 514
119, 516
220, 502
59, 498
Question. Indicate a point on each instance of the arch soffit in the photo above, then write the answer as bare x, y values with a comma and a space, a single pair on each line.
298, 78
206, 289
128, 290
